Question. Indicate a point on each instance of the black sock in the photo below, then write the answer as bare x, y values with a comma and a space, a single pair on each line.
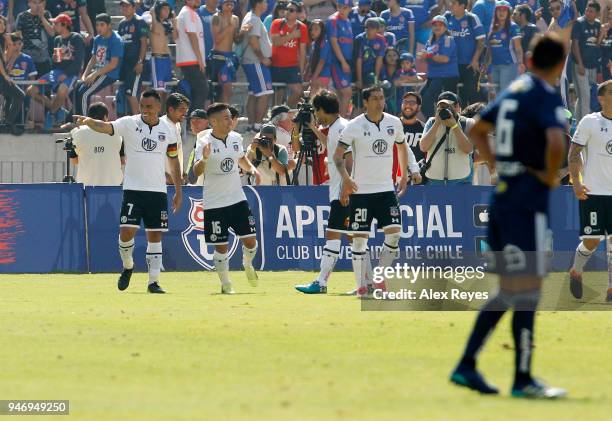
486, 321
522, 330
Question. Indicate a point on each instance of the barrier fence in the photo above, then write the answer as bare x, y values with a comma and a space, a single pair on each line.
68, 228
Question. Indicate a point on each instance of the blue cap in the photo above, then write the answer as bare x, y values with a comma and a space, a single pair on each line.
503, 3
365, 2
440, 19
345, 3
407, 57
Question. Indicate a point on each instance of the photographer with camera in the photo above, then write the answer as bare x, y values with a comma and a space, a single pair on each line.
99, 156
446, 146
270, 159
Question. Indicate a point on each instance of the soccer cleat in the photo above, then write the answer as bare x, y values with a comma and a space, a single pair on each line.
313, 288
351, 292
154, 288
537, 390
365, 292
124, 279
251, 275
227, 289
472, 379
609, 296
575, 283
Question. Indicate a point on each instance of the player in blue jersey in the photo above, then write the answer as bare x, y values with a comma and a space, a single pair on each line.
400, 21
530, 126
340, 35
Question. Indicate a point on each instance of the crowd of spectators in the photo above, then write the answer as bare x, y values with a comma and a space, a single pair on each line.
61, 53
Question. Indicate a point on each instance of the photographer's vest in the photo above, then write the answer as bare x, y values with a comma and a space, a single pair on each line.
459, 163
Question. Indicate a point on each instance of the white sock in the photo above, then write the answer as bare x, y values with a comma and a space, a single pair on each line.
390, 250
154, 261
367, 271
581, 257
609, 263
125, 251
222, 267
248, 255
328, 260
360, 245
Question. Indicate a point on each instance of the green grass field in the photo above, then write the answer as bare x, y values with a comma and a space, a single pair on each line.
272, 353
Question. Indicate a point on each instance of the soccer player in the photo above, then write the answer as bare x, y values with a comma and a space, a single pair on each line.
369, 190
219, 153
147, 141
594, 191
530, 126
327, 112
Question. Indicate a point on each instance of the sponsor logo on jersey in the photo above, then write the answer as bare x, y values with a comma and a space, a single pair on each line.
379, 146
148, 144
227, 165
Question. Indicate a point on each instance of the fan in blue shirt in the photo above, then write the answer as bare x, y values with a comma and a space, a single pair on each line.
400, 21
359, 15
423, 11
371, 49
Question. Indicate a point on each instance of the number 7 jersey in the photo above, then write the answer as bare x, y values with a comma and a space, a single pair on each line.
521, 115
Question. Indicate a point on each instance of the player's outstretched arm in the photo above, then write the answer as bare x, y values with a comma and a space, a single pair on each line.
95, 125
479, 133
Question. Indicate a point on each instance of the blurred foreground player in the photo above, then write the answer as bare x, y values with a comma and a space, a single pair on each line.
147, 140
219, 155
593, 140
530, 127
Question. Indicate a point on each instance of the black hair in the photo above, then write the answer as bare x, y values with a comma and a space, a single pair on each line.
254, 3
175, 100
416, 96
526, 11
327, 101
103, 17
594, 5
318, 44
547, 51
158, 6
365, 93
97, 110
217, 107
233, 111
601, 89
151, 93
463, 2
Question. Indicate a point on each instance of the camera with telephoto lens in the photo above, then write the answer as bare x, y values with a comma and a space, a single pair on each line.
445, 113
303, 118
265, 142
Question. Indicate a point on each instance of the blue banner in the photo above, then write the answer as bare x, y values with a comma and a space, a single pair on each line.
42, 228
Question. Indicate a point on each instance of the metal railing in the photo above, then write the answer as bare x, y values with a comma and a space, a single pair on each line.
31, 171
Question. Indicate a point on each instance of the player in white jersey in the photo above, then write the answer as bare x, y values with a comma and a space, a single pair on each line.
590, 164
177, 106
369, 189
146, 143
327, 109
219, 154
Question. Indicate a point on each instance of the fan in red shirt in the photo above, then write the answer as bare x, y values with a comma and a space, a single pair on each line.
289, 40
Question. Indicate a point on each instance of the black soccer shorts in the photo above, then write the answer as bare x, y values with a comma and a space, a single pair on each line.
595, 216
339, 217
152, 207
218, 221
382, 206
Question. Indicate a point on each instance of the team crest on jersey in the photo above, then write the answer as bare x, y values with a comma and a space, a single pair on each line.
236, 147
609, 147
379, 146
390, 131
148, 144
227, 165
394, 211
164, 216
464, 24
162, 137
251, 220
